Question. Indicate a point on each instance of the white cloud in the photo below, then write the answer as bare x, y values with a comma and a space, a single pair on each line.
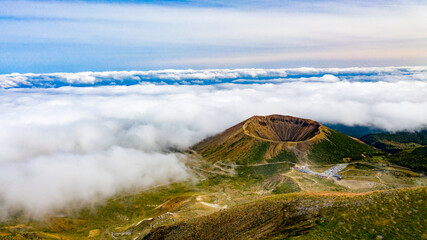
264, 35
97, 141
209, 76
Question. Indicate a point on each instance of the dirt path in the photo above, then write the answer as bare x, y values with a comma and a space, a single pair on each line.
255, 165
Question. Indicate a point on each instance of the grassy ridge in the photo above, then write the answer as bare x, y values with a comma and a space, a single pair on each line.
391, 214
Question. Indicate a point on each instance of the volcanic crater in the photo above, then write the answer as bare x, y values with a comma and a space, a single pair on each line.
279, 128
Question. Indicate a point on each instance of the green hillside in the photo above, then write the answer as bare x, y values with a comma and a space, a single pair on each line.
407, 149
415, 159
339, 146
394, 142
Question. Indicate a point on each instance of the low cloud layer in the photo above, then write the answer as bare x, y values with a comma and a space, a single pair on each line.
80, 144
212, 76
51, 182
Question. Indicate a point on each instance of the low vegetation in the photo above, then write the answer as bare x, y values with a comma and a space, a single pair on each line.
415, 159
391, 214
408, 149
387, 141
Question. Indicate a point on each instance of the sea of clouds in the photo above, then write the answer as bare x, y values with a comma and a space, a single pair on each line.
84, 142
211, 76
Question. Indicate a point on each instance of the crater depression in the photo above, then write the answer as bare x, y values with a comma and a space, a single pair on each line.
278, 128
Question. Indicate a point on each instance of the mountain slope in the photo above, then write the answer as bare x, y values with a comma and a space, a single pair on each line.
280, 138
391, 214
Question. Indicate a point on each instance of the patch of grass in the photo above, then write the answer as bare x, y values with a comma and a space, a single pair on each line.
256, 155
254, 174
284, 156
287, 186
415, 159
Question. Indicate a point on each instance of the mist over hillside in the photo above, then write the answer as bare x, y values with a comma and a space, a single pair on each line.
96, 141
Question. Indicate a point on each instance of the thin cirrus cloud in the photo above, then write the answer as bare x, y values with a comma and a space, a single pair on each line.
97, 141
116, 35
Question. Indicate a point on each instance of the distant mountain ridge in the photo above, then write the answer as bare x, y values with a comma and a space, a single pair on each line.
357, 131
408, 149
389, 142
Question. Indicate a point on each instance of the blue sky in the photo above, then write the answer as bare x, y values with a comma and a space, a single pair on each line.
74, 36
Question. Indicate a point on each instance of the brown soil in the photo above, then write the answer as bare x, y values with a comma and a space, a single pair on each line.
279, 128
